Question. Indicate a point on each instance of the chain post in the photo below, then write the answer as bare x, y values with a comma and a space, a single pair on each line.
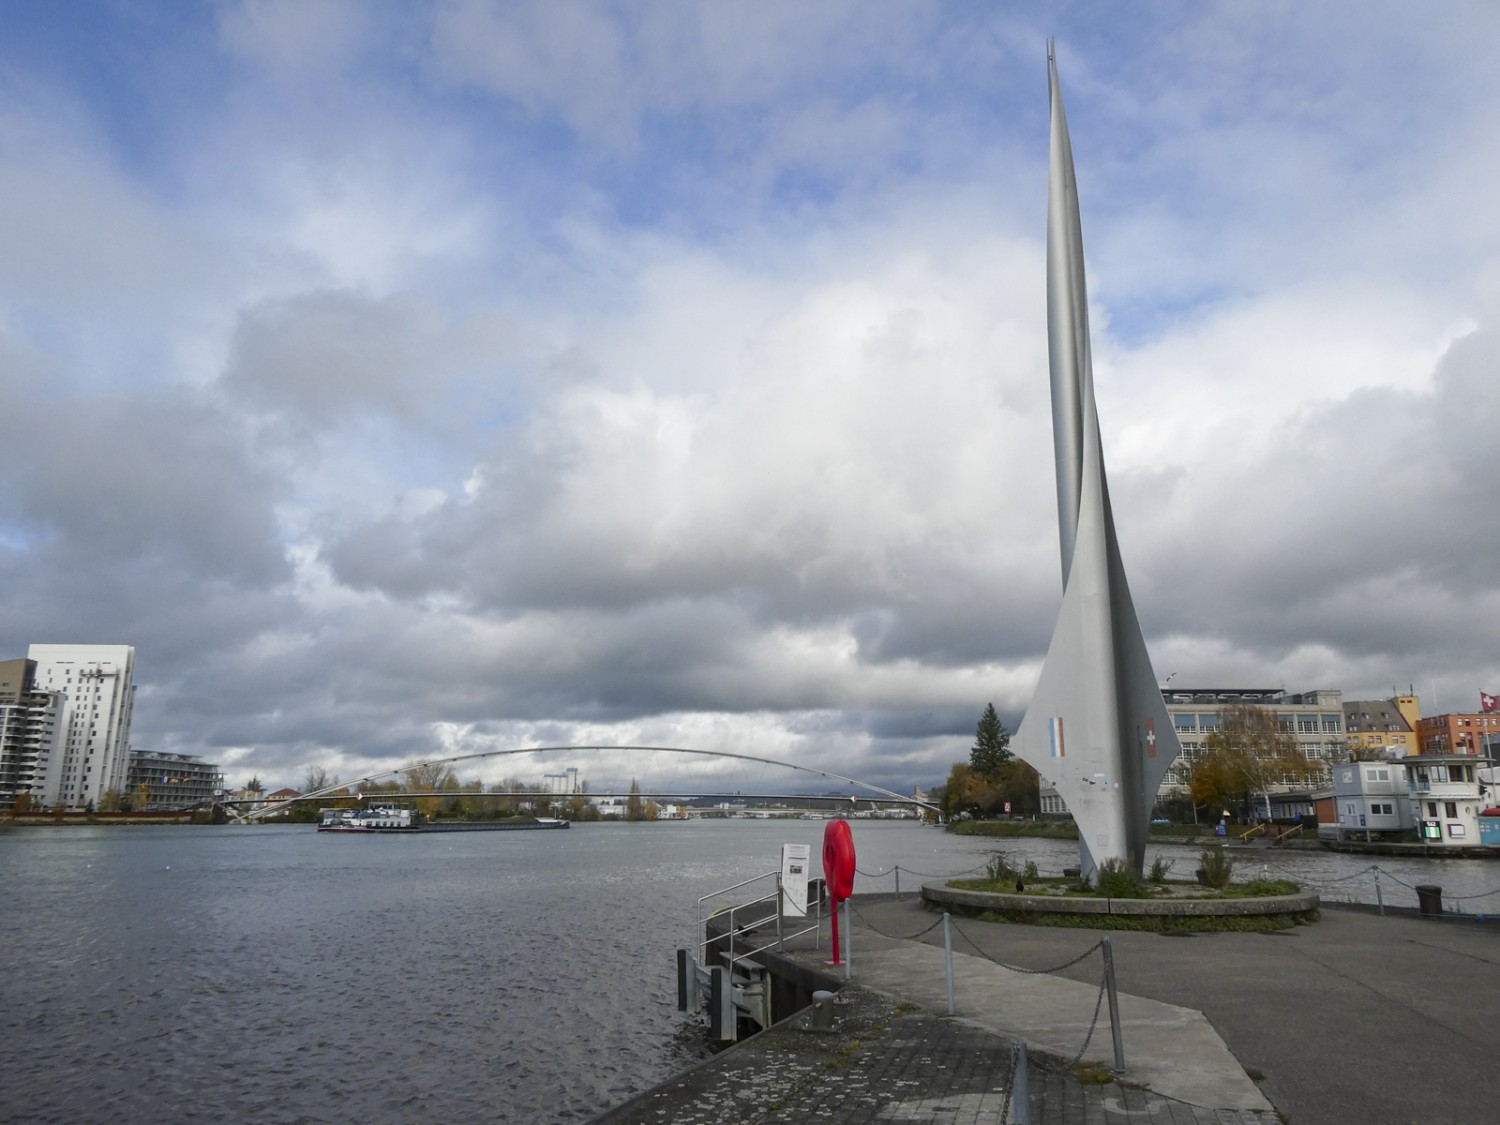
948, 955
1114, 1003
1020, 1095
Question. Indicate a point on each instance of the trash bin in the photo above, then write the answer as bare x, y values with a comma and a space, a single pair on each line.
1429, 900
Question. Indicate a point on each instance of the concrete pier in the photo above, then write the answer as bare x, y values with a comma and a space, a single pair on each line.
1354, 1020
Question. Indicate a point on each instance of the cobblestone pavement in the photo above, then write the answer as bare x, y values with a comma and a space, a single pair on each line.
890, 1063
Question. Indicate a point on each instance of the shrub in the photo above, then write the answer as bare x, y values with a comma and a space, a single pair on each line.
1160, 866
1217, 865
1117, 880
1031, 871
1000, 870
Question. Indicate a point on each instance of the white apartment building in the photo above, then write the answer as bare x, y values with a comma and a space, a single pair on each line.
93, 755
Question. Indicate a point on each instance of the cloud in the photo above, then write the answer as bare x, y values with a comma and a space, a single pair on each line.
415, 379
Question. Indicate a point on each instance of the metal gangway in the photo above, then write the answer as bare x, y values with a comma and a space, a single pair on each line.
720, 971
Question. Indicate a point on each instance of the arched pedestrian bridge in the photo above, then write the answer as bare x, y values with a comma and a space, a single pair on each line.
594, 772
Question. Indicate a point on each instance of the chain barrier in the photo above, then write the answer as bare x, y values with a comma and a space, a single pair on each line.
1089, 952
920, 874
1087, 1039
1466, 898
921, 933
1010, 1081
1393, 878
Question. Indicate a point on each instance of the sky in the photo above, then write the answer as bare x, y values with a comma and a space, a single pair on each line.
406, 378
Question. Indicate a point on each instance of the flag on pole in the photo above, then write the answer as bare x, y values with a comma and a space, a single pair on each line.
1488, 702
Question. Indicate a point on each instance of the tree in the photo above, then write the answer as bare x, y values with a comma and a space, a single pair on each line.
254, 785
1246, 757
991, 749
111, 801
432, 777
635, 808
317, 778
967, 793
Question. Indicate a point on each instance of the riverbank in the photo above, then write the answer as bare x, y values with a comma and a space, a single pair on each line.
84, 819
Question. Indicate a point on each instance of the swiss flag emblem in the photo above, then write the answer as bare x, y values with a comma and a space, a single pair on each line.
1488, 702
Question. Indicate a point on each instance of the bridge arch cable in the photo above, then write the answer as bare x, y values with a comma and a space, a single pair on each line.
345, 789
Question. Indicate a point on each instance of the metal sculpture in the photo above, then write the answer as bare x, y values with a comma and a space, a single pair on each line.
1097, 728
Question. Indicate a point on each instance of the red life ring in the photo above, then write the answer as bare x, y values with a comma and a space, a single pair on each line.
838, 859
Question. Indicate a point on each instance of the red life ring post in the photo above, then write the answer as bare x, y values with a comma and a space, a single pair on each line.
838, 871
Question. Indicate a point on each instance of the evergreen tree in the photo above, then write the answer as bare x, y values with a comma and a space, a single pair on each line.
991, 750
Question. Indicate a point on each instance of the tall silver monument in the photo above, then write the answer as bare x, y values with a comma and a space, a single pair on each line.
1097, 727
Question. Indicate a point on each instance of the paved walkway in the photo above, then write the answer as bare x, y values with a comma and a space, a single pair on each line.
1356, 1020
1169, 1049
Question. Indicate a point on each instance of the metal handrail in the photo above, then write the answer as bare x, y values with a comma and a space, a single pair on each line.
774, 899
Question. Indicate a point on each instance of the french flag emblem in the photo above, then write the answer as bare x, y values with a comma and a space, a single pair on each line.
1055, 736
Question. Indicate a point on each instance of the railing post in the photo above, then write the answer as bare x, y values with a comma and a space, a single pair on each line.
1379, 901
948, 955
1114, 1003
848, 950
780, 908
898, 878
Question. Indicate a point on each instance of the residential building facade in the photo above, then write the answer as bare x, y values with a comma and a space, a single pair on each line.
98, 682
31, 729
171, 781
1460, 734
1382, 728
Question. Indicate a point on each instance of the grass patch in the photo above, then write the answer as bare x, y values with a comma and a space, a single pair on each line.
1093, 1074
1155, 923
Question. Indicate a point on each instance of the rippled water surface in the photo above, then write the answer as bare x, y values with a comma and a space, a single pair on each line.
278, 975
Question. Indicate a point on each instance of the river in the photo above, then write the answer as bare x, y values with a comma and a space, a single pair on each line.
276, 974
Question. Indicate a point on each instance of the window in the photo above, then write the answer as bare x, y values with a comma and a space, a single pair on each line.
1450, 808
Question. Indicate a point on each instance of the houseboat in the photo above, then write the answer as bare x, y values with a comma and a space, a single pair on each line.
376, 818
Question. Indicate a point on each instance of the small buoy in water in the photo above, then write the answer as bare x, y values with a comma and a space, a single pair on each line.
169, 867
